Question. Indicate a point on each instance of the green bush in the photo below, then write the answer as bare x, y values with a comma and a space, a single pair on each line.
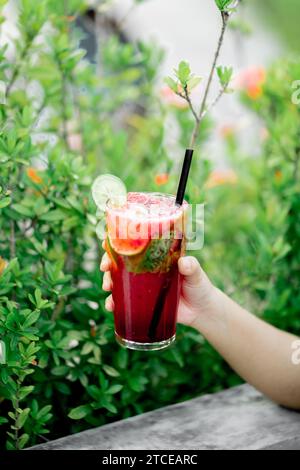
63, 122
60, 126
259, 240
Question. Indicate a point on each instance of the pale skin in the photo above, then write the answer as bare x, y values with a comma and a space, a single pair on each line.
258, 352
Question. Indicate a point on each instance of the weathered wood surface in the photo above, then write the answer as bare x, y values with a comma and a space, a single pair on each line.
238, 418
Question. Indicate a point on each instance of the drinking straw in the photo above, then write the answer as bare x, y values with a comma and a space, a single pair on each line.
184, 176
159, 305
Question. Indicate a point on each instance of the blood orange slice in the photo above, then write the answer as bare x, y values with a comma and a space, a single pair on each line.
128, 247
111, 253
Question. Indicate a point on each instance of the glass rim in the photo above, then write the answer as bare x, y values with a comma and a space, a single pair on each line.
111, 206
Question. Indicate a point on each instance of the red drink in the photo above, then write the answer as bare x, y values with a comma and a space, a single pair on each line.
144, 242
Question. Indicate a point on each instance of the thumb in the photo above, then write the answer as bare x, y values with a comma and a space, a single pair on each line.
196, 287
190, 268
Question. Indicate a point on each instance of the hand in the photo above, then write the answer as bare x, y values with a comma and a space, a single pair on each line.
197, 293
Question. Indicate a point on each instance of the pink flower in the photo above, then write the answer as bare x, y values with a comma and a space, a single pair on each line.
221, 177
251, 81
170, 98
227, 131
161, 179
264, 134
75, 142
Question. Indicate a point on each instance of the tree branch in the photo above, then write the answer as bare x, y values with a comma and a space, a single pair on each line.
78, 111
64, 109
225, 17
12, 240
18, 65
214, 102
187, 98
58, 309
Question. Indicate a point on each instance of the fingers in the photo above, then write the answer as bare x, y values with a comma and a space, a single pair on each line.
105, 264
190, 268
109, 303
107, 281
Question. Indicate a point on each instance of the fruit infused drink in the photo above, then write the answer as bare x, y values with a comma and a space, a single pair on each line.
145, 238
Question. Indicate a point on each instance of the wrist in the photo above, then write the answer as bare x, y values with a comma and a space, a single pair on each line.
211, 314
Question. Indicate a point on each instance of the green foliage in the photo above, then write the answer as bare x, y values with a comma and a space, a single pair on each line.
61, 370
241, 26
224, 5
282, 17
225, 75
260, 249
185, 79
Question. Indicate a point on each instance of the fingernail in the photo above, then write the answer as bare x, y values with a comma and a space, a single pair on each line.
102, 265
187, 264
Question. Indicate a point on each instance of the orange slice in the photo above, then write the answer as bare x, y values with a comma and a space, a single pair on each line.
111, 254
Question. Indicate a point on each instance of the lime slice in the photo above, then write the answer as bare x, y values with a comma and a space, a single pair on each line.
108, 188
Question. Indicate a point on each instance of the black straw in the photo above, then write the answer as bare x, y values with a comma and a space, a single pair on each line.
158, 308
184, 176
161, 299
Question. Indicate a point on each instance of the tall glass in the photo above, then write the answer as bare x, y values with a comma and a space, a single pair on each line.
145, 239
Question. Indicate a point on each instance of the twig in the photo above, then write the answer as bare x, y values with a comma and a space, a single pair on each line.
12, 81
17, 68
38, 114
203, 110
187, 98
16, 413
58, 309
78, 110
12, 240
215, 101
126, 15
64, 109
225, 17
63, 104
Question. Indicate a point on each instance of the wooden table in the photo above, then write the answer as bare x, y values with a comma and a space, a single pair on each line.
238, 418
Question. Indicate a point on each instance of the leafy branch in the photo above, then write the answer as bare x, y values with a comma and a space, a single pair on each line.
186, 81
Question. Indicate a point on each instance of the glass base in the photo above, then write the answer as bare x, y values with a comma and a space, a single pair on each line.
145, 346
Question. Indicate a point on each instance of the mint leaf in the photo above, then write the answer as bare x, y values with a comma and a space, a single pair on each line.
153, 259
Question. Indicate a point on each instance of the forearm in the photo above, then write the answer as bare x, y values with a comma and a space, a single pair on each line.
258, 352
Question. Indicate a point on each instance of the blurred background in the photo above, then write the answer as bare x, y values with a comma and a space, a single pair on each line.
262, 32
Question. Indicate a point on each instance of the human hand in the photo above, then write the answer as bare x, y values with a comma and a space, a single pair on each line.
197, 292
